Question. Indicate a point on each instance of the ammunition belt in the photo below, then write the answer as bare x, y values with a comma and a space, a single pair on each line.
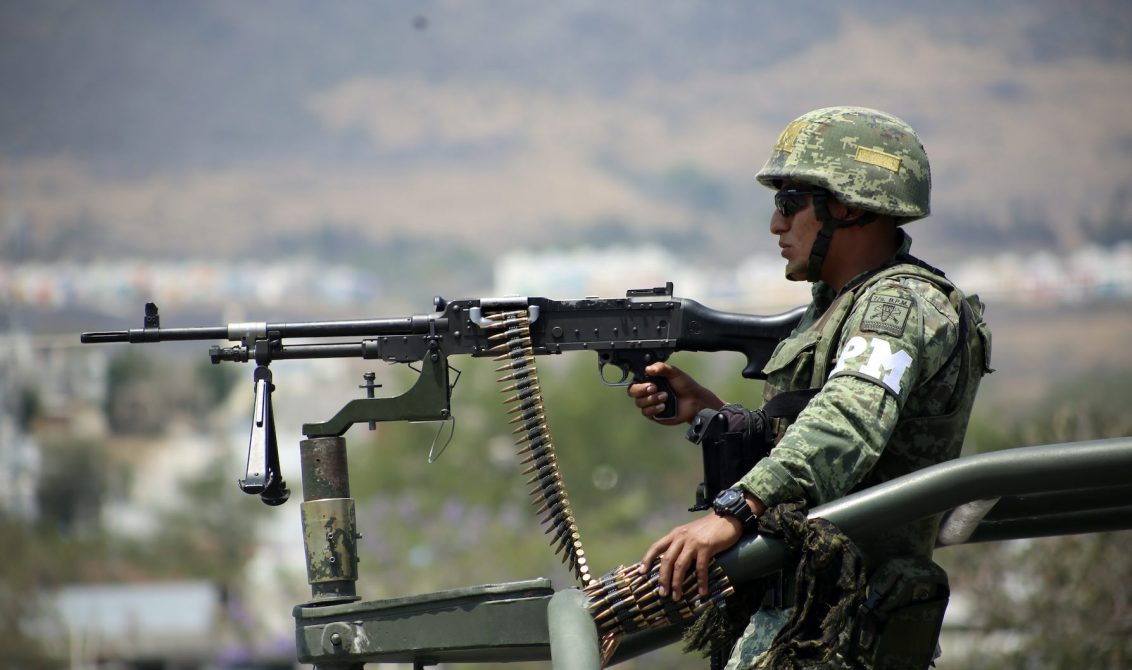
537, 449
626, 601
623, 600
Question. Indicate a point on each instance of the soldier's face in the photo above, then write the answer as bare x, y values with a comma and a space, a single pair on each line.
797, 227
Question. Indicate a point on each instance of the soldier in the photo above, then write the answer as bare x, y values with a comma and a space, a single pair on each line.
885, 362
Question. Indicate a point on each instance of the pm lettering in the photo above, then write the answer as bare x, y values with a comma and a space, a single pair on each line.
883, 364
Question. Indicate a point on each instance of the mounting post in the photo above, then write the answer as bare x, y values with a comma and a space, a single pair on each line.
329, 526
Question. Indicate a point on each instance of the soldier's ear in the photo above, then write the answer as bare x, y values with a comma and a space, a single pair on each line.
852, 213
841, 211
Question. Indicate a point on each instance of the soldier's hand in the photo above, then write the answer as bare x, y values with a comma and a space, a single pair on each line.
691, 547
691, 396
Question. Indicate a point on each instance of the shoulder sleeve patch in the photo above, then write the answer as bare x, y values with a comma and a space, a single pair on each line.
887, 312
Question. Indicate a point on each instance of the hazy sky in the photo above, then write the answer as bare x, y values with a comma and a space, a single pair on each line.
196, 128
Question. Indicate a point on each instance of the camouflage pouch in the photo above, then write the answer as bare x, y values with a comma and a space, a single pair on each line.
900, 620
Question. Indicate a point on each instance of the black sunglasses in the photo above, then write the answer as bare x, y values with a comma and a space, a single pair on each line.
790, 201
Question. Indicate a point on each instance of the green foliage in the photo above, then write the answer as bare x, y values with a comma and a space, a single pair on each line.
206, 529
1094, 406
211, 534
142, 395
127, 376
214, 381
985, 433
1064, 599
73, 485
28, 404
31, 561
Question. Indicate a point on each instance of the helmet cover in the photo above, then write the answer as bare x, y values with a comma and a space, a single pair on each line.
867, 158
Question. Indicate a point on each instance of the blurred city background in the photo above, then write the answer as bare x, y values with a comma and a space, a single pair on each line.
291, 160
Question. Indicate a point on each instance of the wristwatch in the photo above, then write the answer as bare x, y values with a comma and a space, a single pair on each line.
733, 502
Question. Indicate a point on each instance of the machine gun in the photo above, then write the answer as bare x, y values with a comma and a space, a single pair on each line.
627, 334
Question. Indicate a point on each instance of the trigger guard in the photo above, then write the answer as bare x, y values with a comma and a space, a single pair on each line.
625, 374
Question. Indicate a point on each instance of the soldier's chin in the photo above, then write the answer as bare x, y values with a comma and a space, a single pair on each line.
796, 274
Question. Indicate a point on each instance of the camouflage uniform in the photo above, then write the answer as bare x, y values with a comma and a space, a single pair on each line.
897, 354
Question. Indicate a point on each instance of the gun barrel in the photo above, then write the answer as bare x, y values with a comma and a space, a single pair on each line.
105, 336
135, 335
411, 325
408, 325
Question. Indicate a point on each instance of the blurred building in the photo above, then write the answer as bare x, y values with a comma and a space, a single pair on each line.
19, 451
176, 625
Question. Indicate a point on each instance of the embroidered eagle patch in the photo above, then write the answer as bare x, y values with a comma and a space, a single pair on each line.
887, 312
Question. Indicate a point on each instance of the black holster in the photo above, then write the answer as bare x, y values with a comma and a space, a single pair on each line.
900, 621
732, 439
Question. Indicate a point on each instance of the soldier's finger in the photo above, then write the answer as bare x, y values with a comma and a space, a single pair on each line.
702, 562
640, 390
652, 405
665, 583
680, 568
655, 549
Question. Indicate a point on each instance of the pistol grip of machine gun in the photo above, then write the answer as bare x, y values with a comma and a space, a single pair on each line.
662, 386
633, 366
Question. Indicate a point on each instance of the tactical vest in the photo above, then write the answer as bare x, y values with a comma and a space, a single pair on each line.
801, 365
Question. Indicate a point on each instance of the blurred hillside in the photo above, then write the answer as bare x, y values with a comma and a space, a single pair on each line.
391, 134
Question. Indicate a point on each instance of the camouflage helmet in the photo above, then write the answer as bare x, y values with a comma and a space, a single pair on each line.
865, 157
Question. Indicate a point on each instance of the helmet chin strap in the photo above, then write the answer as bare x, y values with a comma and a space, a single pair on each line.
829, 224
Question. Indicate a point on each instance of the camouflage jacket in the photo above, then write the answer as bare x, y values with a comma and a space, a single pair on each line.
898, 355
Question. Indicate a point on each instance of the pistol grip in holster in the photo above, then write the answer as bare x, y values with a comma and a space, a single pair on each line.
727, 454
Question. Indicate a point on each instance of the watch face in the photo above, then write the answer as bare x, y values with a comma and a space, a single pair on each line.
727, 498
733, 502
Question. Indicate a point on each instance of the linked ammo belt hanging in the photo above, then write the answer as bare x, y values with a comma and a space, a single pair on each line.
623, 600
537, 449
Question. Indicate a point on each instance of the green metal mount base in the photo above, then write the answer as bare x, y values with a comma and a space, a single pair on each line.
442, 627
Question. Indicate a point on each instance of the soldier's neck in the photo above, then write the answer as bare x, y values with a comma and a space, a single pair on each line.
858, 249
